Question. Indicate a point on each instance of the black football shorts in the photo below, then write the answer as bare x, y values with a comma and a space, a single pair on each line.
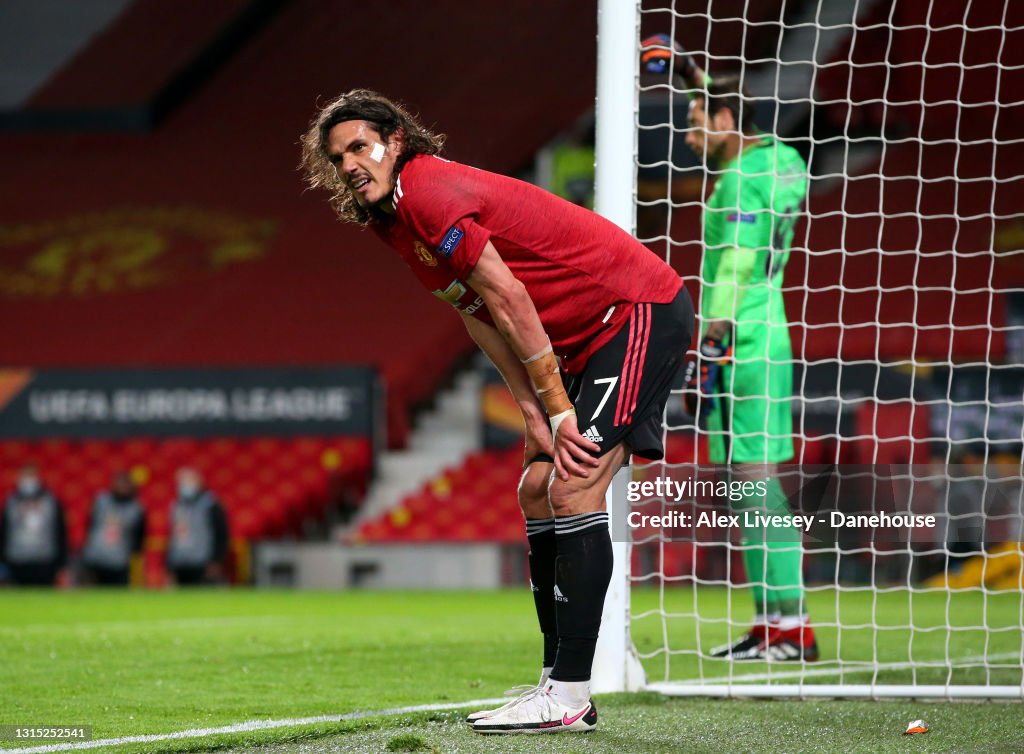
621, 394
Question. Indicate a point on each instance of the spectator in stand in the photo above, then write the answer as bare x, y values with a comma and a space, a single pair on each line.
571, 164
117, 528
199, 533
33, 534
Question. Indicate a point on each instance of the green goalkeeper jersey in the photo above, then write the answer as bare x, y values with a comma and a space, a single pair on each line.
757, 200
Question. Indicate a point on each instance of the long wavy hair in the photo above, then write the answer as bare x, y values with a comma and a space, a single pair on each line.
387, 118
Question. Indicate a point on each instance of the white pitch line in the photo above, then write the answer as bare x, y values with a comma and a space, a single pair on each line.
253, 725
159, 623
839, 670
246, 727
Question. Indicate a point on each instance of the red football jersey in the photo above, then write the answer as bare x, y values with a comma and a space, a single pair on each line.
582, 272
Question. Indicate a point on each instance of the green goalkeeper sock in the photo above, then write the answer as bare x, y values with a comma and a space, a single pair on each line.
754, 560
784, 572
772, 555
755, 554
784, 578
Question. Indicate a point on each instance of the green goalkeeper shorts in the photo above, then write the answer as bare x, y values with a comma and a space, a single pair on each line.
753, 421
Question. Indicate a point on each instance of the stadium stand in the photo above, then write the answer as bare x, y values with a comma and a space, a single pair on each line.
153, 55
475, 501
897, 62
270, 487
231, 149
835, 303
912, 246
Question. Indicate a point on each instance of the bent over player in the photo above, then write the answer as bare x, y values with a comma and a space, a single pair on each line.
744, 375
586, 325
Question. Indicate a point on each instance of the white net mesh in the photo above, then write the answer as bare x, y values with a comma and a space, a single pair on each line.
904, 293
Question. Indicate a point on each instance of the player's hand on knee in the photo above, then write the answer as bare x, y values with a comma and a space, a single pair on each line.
573, 451
538, 433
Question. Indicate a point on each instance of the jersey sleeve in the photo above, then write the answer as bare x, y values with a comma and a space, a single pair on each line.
745, 214
444, 217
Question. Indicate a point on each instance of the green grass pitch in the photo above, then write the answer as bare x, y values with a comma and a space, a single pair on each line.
137, 663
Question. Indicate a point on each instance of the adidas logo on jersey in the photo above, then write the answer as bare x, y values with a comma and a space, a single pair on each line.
592, 434
559, 597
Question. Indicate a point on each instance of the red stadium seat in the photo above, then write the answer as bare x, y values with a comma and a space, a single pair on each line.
474, 502
269, 486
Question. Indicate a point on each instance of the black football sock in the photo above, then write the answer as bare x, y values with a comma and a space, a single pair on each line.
540, 532
583, 570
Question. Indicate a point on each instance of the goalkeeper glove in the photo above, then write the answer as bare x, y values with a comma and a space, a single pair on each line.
656, 55
701, 375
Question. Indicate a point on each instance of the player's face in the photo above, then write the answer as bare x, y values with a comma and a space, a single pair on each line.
365, 163
704, 137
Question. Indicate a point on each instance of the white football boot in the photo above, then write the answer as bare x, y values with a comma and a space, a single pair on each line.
518, 693
539, 712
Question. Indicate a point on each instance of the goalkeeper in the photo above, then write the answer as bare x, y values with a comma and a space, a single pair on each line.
742, 381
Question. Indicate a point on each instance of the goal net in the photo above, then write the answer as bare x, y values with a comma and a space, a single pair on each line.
904, 296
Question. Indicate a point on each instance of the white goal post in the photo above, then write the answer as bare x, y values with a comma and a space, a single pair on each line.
616, 667
929, 616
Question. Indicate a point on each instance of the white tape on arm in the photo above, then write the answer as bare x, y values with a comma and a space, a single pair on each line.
557, 419
377, 153
538, 355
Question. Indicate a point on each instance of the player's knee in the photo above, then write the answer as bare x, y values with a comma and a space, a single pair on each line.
533, 491
568, 499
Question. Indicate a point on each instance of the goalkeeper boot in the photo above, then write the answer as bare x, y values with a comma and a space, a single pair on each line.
517, 694
786, 645
541, 712
750, 641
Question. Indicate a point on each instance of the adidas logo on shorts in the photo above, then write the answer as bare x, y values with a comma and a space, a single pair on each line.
592, 434
559, 597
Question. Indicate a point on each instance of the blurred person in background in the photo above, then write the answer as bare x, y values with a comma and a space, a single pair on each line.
199, 533
33, 534
741, 383
568, 164
117, 529
542, 285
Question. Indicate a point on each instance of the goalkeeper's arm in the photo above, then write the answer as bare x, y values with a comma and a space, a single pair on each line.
728, 290
724, 298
